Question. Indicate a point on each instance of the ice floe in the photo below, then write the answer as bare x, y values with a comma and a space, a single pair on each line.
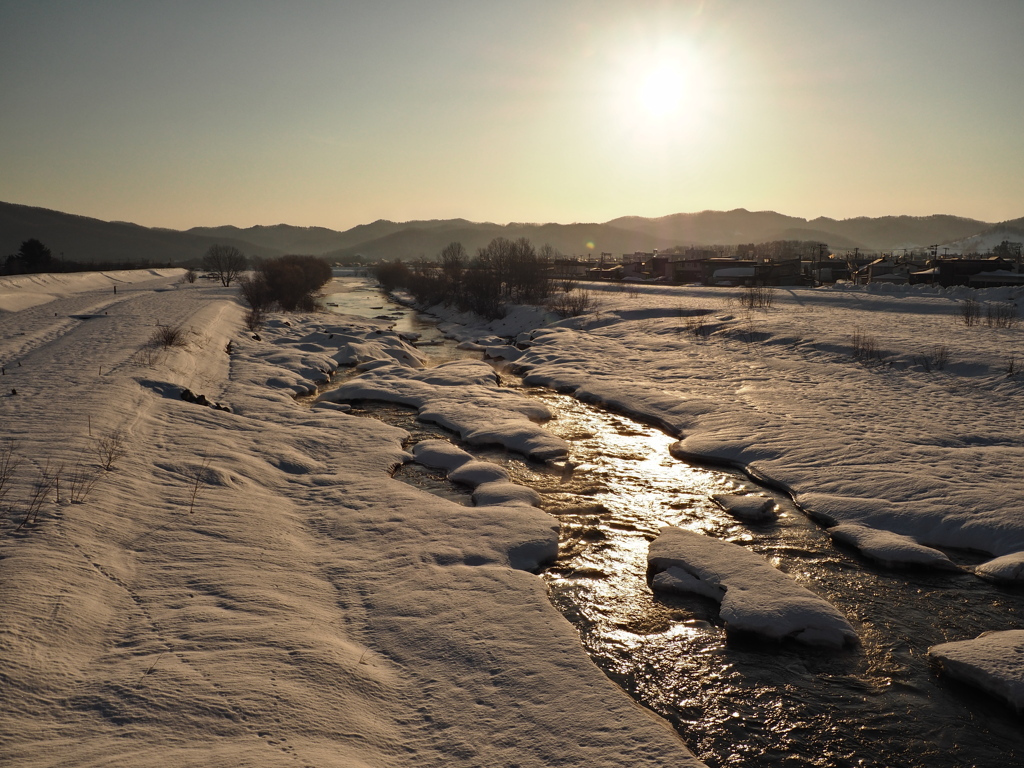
752, 507
755, 597
889, 548
465, 397
993, 662
1007, 569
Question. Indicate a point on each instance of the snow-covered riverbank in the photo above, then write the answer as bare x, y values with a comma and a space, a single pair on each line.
870, 407
251, 587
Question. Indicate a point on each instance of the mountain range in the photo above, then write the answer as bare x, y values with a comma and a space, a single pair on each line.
83, 239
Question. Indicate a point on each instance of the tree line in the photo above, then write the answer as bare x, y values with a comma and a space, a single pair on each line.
504, 272
33, 257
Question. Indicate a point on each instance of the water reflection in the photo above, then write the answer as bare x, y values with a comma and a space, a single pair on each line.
739, 701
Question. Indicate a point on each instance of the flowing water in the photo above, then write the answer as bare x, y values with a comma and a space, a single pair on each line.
746, 703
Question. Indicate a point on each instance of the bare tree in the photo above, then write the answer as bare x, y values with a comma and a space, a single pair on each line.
226, 262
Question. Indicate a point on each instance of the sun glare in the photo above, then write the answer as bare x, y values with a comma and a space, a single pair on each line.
665, 90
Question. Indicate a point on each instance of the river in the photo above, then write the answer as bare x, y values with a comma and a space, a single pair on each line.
738, 703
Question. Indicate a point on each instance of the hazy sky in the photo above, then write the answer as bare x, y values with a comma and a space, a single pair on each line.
312, 112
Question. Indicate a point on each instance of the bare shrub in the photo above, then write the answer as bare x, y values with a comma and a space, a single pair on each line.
697, 326
632, 289
748, 328
573, 304
255, 318
111, 448
167, 336
292, 281
757, 297
1012, 366
935, 359
80, 482
197, 477
865, 348
9, 463
189, 277
1001, 314
969, 312
147, 355
255, 291
47, 480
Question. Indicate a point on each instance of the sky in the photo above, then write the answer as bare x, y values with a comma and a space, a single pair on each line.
334, 114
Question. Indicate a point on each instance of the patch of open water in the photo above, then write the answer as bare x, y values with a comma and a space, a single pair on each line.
744, 702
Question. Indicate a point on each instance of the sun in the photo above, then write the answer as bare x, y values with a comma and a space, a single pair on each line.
662, 87
664, 90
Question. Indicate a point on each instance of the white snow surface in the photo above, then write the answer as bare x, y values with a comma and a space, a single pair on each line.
889, 548
755, 596
892, 442
253, 587
993, 662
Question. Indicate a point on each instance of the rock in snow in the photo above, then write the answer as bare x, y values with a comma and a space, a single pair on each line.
993, 661
755, 596
889, 548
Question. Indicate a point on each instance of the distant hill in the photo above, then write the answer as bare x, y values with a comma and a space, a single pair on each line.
986, 240
320, 240
713, 227
889, 232
282, 238
84, 239
742, 226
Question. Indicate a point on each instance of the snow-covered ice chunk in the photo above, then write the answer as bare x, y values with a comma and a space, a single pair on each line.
440, 454
491, 426
993, 661
755, 597
674, 579
463, 396
889, 548
478, 472
340, 407
747, 507
1008, 568
500, 493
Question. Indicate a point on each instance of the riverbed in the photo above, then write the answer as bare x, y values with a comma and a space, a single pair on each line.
737, 702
